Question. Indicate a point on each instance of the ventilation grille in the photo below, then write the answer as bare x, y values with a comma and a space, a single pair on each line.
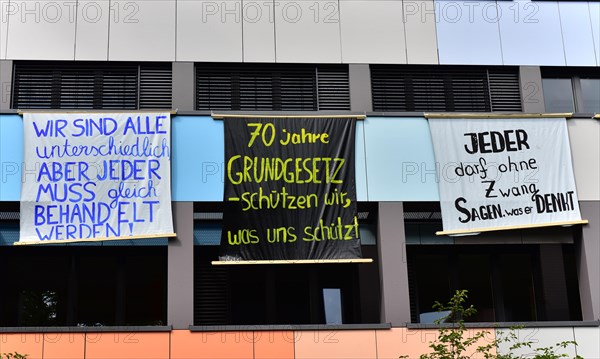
333, 87
505, 90
90, 85
10, 216
412, 290
444, 89
211, 295
261, 87
156, 86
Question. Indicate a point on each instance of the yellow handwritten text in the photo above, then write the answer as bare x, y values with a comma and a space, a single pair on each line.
334, 231
275, 199
291, 170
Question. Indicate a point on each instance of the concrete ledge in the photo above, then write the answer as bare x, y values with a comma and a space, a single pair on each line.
280, 327
549, 324
109, 329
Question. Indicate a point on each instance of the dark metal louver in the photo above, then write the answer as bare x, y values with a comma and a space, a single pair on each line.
441, 88
333, 86
91, 85
505, 90
298, 88
156, 83
270, 87
211, 294
413, 291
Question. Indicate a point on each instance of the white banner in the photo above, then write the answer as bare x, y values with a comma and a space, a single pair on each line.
96, 176
504, 172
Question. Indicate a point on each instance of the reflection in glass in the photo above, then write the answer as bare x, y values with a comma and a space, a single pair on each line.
558, 95
590, 91
39, 307
332, 299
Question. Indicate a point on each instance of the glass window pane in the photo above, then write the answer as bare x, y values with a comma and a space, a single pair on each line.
517, 285
332, 299
590, 90
475, 275
433, 283
558, 95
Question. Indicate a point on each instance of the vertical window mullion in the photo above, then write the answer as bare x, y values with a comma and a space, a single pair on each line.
98, 89
449, 93
577, 94
236, 93
487, 88
315, 86
277, 93
56, 88
138, 87
497, 289
409, 92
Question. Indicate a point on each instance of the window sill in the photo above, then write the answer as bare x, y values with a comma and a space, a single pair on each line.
105, 329
225, 328
548, 324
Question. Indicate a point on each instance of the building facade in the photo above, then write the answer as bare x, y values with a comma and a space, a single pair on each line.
392, 61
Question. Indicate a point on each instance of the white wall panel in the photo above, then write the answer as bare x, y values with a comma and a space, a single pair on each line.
577, 33
420, 30
5, 8
584, 135
259, 31
209, 30
530, 33
468, 32
307, 31
372, 32
587, 342
42, 30
540, 338
142, 30
595, 20
91, 40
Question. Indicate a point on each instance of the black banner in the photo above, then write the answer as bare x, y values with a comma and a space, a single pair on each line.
290, 190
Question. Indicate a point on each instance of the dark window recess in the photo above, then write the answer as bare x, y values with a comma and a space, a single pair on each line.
445, 88
272, 87
92, 85
505, 93
212, 297
277, 294
571, 89
83, 286
506, 283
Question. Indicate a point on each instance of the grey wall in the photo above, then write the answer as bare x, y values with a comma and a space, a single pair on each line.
360, 87
5, 84
393, 269
183, 86
180, 272
589, 261
532, 94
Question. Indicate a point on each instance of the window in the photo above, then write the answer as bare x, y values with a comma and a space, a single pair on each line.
80, 284
506, 282
87, 285
282, 294
571, 89
558, 95
91, 85
445, 88
266, 87
590, 91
